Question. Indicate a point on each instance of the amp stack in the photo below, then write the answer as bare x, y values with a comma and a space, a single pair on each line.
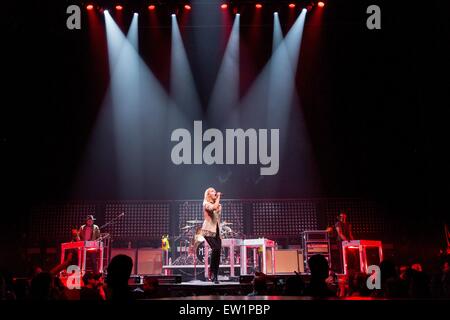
315, 242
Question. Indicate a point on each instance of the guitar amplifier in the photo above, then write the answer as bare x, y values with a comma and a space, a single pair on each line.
315, 242
318, 235
317, 248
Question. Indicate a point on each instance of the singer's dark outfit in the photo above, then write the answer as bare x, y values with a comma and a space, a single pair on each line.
211, 233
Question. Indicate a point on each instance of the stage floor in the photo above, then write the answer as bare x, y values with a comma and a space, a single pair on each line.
207, 283
204, 288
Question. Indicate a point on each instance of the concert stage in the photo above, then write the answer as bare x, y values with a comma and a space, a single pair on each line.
173, 287
155, 146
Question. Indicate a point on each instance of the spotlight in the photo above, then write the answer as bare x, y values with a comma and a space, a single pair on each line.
224, 6
119, 7
258, 6
292, 5
152, 7
321, 4
89, 7
187, 7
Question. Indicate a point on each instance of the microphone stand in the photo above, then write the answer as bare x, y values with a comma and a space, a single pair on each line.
112, 220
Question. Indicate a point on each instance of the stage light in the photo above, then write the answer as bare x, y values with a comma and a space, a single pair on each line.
292, 5
187, 7
224, 6
119, 7
151, 7
89, 7
258, 6
321, 4
277, 37
226, 87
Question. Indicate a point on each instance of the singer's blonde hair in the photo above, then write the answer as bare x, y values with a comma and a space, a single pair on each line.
207, 197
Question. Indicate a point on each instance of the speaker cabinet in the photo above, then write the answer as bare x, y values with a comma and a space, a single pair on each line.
301, 261
286, 261
149, 261
132, 253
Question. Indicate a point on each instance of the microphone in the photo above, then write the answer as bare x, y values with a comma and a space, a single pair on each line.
122, 214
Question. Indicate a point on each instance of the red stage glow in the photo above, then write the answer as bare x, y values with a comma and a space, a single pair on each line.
258, 6
224, 6
119, 7
89, 7
187, 7
321, 4
292, 5
151, 7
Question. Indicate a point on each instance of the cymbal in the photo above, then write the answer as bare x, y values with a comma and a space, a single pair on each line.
194, 221
186, 227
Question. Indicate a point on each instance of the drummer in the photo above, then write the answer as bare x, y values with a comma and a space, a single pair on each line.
224, 229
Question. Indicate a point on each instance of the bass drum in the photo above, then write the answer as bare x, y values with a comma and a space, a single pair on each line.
200, 252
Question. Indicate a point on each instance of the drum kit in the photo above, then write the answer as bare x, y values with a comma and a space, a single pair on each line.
192, 242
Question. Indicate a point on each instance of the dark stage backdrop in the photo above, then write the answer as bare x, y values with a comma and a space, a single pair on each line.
361, 122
